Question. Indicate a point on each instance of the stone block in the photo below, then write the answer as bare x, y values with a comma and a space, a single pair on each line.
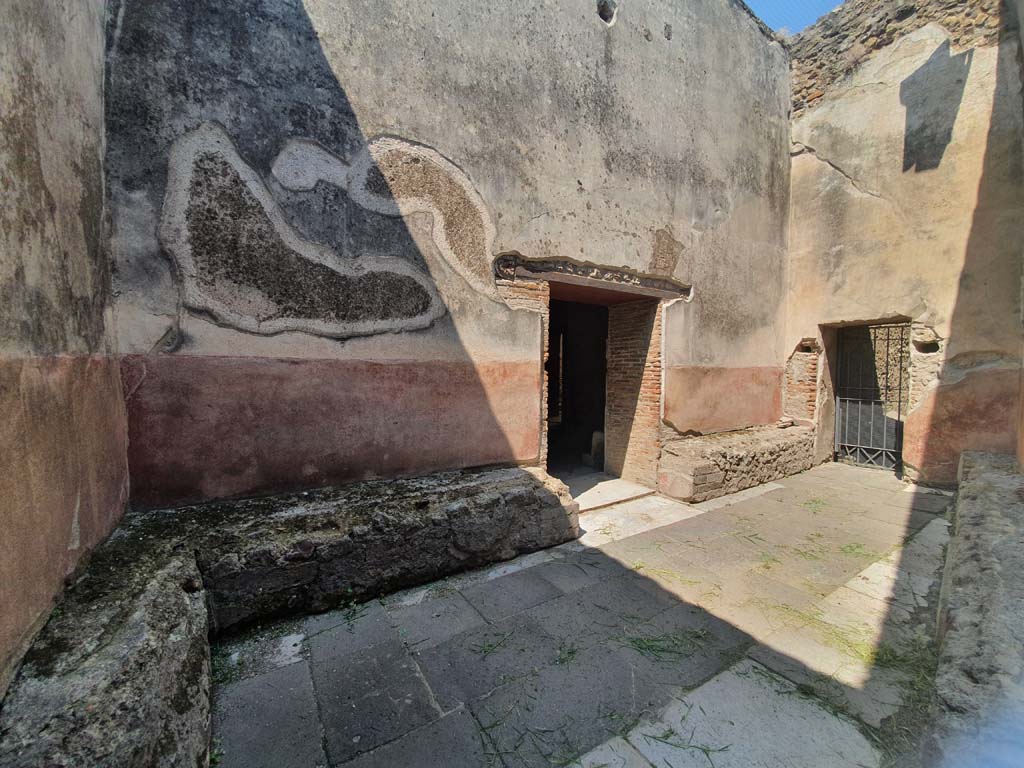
696, 469
434, 620
119, 676
324, 548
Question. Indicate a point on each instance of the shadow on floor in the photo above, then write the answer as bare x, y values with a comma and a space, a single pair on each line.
789, 628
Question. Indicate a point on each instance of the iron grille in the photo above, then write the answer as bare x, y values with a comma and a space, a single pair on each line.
872, 394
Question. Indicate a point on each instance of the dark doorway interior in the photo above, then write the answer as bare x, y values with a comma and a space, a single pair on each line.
576, 371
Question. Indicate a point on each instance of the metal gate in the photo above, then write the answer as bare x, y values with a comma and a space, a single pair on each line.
872, 390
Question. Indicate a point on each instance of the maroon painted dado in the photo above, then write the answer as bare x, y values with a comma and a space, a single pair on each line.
203, 427
977, 413
63, 483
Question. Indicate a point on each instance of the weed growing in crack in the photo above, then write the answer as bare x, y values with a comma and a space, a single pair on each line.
815, 505
900, 734
856, 549
441, 589
665, 573
669, 646
768, 560
670, 738
487, 648
567, 652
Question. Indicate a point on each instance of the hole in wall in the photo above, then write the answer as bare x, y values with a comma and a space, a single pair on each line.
926, 347
607, 9
805, 348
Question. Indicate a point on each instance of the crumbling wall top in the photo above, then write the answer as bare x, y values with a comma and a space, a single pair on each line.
824, 53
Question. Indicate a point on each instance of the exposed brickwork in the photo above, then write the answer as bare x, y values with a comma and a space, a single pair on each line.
534, 295
926, 358
633, 397
801, 392
823, 54
699, 468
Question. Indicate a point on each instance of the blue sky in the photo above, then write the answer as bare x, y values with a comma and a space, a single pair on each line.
791, 15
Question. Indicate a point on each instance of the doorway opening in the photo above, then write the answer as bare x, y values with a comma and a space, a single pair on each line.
576, 380
603, 387
872, 394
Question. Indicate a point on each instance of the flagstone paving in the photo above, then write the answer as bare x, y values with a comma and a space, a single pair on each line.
788, 625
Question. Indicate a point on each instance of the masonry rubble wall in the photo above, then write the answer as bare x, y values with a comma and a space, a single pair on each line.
907, 187
700, 468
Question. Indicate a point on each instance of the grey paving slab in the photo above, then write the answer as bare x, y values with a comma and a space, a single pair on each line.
572, 574
606, 491
596, 563
268, 721
681, 648
338, 633
473, 663
614, 753
937, 504
748, 716
685, 583
435, 620
370, 697
877, 698
566, 709
454, 741
600, 611
699, 529
500, 598
257, 651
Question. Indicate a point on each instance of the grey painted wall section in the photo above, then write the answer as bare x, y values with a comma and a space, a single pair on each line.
658, 143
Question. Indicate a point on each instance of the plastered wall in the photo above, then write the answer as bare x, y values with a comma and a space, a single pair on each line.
306, 199
906, 204
63, 472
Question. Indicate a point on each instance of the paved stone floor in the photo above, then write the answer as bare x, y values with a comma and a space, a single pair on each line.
771, 628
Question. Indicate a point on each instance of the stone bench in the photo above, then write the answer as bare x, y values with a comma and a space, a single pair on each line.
119, 675
695, 469
979, 682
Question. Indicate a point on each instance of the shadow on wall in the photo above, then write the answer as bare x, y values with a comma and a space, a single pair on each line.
932, 97
975, 405
202, 97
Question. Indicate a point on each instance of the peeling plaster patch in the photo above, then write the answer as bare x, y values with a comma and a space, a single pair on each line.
396, 178
240, 260
75, 539
666, 252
